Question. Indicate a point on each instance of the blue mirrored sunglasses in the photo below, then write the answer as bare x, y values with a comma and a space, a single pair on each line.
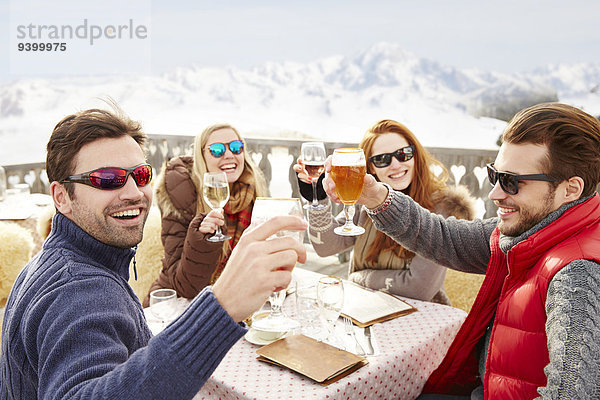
218, 149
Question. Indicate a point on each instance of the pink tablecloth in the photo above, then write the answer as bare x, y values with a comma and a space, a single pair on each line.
410, 348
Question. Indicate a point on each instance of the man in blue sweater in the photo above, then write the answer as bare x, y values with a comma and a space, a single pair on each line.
74, 329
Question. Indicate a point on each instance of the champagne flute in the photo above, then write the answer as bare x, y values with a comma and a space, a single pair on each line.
313, 158
216, 194
265, 208
163, 304
348, 169
330, 294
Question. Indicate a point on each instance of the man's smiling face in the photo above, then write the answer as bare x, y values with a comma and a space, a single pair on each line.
114, 217
534, 199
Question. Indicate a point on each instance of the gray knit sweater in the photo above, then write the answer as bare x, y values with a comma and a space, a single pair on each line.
573, 299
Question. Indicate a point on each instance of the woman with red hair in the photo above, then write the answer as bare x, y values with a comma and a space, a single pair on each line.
396, 158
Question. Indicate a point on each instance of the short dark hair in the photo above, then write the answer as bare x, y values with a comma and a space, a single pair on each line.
77, 130
571, 135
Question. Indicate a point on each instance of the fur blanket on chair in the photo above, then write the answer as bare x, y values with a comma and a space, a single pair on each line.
148, 256
15, 252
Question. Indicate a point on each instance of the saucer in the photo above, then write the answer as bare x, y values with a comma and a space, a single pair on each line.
253, 338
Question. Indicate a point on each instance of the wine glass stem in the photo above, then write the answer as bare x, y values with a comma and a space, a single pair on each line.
331, 337
315, 202
275, 309
275, 305
349, 214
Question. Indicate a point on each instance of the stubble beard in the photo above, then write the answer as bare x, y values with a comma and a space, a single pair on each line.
528, 217
101, 228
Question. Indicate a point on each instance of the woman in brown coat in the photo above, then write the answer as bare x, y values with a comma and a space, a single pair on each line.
190, 262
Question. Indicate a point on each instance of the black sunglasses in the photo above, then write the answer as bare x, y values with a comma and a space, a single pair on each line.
509, 182
385, 159
110, 178
218, 149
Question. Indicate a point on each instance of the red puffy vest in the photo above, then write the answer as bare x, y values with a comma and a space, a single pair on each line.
515, 289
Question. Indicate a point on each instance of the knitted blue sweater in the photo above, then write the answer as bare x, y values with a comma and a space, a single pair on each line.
74, 329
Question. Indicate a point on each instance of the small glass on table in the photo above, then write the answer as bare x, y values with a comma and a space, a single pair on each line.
313, 158
307, 309
163, 305
348, 170
330, 294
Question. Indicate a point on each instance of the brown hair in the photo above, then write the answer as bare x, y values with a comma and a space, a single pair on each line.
571, 135
421, 189
199, 166
77, 130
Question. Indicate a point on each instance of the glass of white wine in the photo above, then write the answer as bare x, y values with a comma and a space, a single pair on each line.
264, 209
216, 194
313, 157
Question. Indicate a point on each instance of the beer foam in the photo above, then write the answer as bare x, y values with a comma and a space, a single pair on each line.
348, 158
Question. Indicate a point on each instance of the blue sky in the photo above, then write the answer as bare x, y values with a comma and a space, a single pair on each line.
509, 36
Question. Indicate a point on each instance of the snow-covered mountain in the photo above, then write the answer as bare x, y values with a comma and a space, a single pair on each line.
335, 98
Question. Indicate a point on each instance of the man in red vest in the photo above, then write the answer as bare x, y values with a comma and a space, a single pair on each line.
534, 328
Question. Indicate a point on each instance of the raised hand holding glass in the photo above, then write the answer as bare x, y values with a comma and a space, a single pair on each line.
215, 190
265, 208
348, 170
313, 158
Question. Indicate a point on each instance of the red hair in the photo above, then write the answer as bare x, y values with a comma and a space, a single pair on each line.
421, 189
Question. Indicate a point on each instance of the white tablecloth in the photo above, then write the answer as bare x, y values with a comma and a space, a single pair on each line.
410, 348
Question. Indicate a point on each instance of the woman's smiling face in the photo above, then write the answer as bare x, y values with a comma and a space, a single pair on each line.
398, 174
231, 164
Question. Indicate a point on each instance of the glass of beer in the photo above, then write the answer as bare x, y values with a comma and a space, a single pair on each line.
348, 169
216, 195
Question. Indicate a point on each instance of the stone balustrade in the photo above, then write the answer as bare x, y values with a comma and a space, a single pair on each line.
275, 157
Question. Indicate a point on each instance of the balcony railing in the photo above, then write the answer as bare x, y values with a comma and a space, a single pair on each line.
276, 157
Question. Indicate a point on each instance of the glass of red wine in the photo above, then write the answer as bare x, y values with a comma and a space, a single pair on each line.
313, 157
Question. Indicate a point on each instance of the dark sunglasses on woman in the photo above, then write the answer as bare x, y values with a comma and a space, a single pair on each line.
385, 159
110, 178
509, 182
218, 149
